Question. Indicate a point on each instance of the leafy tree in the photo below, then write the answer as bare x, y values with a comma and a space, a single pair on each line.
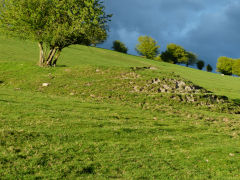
54, 24
225, 65
178, 55
174, 54
209, 68
167, 56
236, 67
158, 58
192, 59
200, 64
119, 46
147, 47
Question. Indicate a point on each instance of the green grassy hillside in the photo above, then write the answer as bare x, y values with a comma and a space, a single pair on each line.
18, 51
100, 117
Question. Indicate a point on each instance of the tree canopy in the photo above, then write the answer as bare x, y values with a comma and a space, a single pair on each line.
192, 59
178, 55
147, 47
55, 24
119, 46
236, 67
209, 68
225, 65
200, 64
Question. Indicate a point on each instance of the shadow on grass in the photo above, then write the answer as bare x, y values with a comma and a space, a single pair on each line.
61, 65
236, 101
87, 170
1, 82
5, 101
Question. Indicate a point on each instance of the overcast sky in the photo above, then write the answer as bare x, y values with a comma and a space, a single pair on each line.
209, 28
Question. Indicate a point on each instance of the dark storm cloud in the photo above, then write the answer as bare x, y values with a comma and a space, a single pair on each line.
208, 28
217, 33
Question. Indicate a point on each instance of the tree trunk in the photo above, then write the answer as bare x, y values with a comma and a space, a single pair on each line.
56, 58
47, 55
41, 54
51, 56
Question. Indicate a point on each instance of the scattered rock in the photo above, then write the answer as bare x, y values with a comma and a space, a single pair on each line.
180, 84
67, 70
225, 120
45, 84
188, 88
139, 68
166, 85
156, 81
190, 98
153, 68
136, 88
131, 75
209, 119
162, 90
88, 84
181, 91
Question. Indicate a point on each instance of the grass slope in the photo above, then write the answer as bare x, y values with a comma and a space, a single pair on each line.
24, 51
90, 124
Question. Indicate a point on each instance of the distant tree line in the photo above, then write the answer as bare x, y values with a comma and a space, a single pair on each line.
175, 54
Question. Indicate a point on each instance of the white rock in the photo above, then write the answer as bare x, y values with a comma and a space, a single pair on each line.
166, 86
153, 68
188, 88
181, 84
45, 84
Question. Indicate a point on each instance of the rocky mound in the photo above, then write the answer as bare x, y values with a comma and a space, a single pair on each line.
168, 85
181, 91
174, 88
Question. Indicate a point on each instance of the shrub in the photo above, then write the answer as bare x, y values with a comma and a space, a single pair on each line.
119, 46
209, 68
200, 64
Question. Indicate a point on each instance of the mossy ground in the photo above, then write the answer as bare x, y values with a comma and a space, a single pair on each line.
90, 123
